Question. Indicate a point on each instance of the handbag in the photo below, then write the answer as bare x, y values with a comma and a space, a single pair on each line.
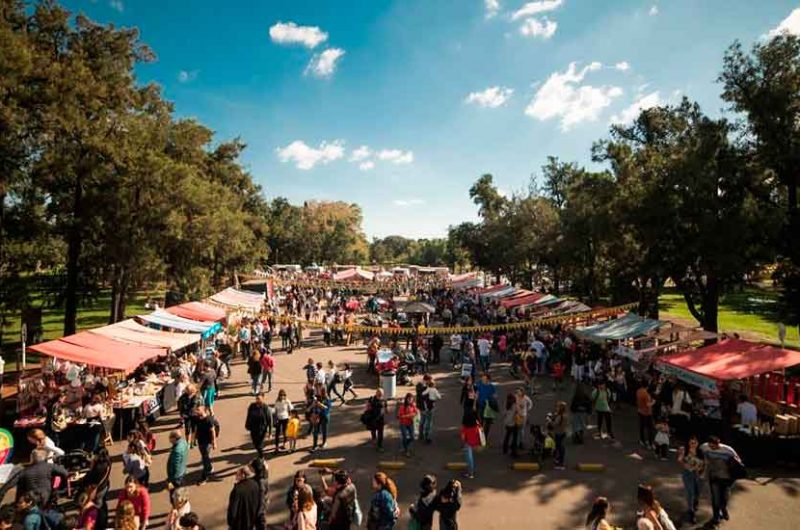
482, 437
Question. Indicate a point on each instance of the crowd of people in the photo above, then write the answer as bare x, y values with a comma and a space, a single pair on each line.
668, 414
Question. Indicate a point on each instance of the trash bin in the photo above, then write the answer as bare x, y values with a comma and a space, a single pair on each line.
389, 384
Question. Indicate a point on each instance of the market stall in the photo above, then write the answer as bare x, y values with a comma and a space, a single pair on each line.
198, 311
232, 299
732, 368
354, 275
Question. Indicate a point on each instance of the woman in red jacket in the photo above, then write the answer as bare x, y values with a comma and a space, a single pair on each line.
406, 414
137, 495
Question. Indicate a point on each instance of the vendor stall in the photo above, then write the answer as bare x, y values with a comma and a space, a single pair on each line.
232, 299
732, 368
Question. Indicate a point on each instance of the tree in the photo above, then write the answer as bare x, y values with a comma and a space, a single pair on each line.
764, 85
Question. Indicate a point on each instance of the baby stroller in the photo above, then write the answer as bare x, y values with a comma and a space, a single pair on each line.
77, 463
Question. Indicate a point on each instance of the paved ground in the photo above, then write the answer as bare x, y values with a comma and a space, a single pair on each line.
496, 498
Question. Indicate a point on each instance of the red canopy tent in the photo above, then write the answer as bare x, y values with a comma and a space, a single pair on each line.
493, 288
97, 350
528, 298
728, 360
353, 275
198, 311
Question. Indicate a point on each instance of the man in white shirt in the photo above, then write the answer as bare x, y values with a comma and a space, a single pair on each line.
455, 349
484, 347
747, 411
429, 398
525, 408
539, 350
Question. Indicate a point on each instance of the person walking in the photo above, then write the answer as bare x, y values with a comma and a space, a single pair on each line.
470, 432
487, 402
347, 386
320, 416
484, 351
259, 422
254, 370
244, 501
406, 416
375, 418
179, 500
260, 468
599, 515
644, 406
344, 512
282, 408
176, 462
424, 507
267, 368
448, 503
512, 420
580, 407
692, 465
651, 510
430, 396
718, 459
206, 434
559, 424
305, 509
601, 399
383, 510
139, 497
525, 411
188, 403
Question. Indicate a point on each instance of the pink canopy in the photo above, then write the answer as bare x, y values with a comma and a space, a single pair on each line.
135, 333
733, 359
198, 311
98, 350
353, 275
526, 298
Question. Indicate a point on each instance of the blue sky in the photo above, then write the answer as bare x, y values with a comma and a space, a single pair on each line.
439, 91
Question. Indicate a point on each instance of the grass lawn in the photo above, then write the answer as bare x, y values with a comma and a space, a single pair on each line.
752, 313
90, 315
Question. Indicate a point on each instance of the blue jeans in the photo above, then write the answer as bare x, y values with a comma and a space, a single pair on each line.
205, 456
407, 435
470, 458
255, 382
720, 493
485, 362
691, 484
321, 427
266, 377
561, 449
426, 425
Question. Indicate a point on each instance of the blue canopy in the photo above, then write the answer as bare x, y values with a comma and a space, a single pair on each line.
162, 319
626, 327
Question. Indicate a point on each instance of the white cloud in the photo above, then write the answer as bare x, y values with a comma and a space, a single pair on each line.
324, 64
534, 8
622, 66
492, 97
367, 165
408, 202
630, 113
306, 157
492, 7
291, 33
653, 10
395, 156
186, 76
359, 154
534, 27
790, 25
117, 5
563, 97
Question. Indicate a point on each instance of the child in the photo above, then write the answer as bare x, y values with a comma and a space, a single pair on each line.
662, 439
293, 430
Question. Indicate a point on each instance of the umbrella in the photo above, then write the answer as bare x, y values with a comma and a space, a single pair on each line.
419, 307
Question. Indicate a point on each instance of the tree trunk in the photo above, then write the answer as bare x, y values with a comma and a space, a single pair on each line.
74, 246
711, 304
